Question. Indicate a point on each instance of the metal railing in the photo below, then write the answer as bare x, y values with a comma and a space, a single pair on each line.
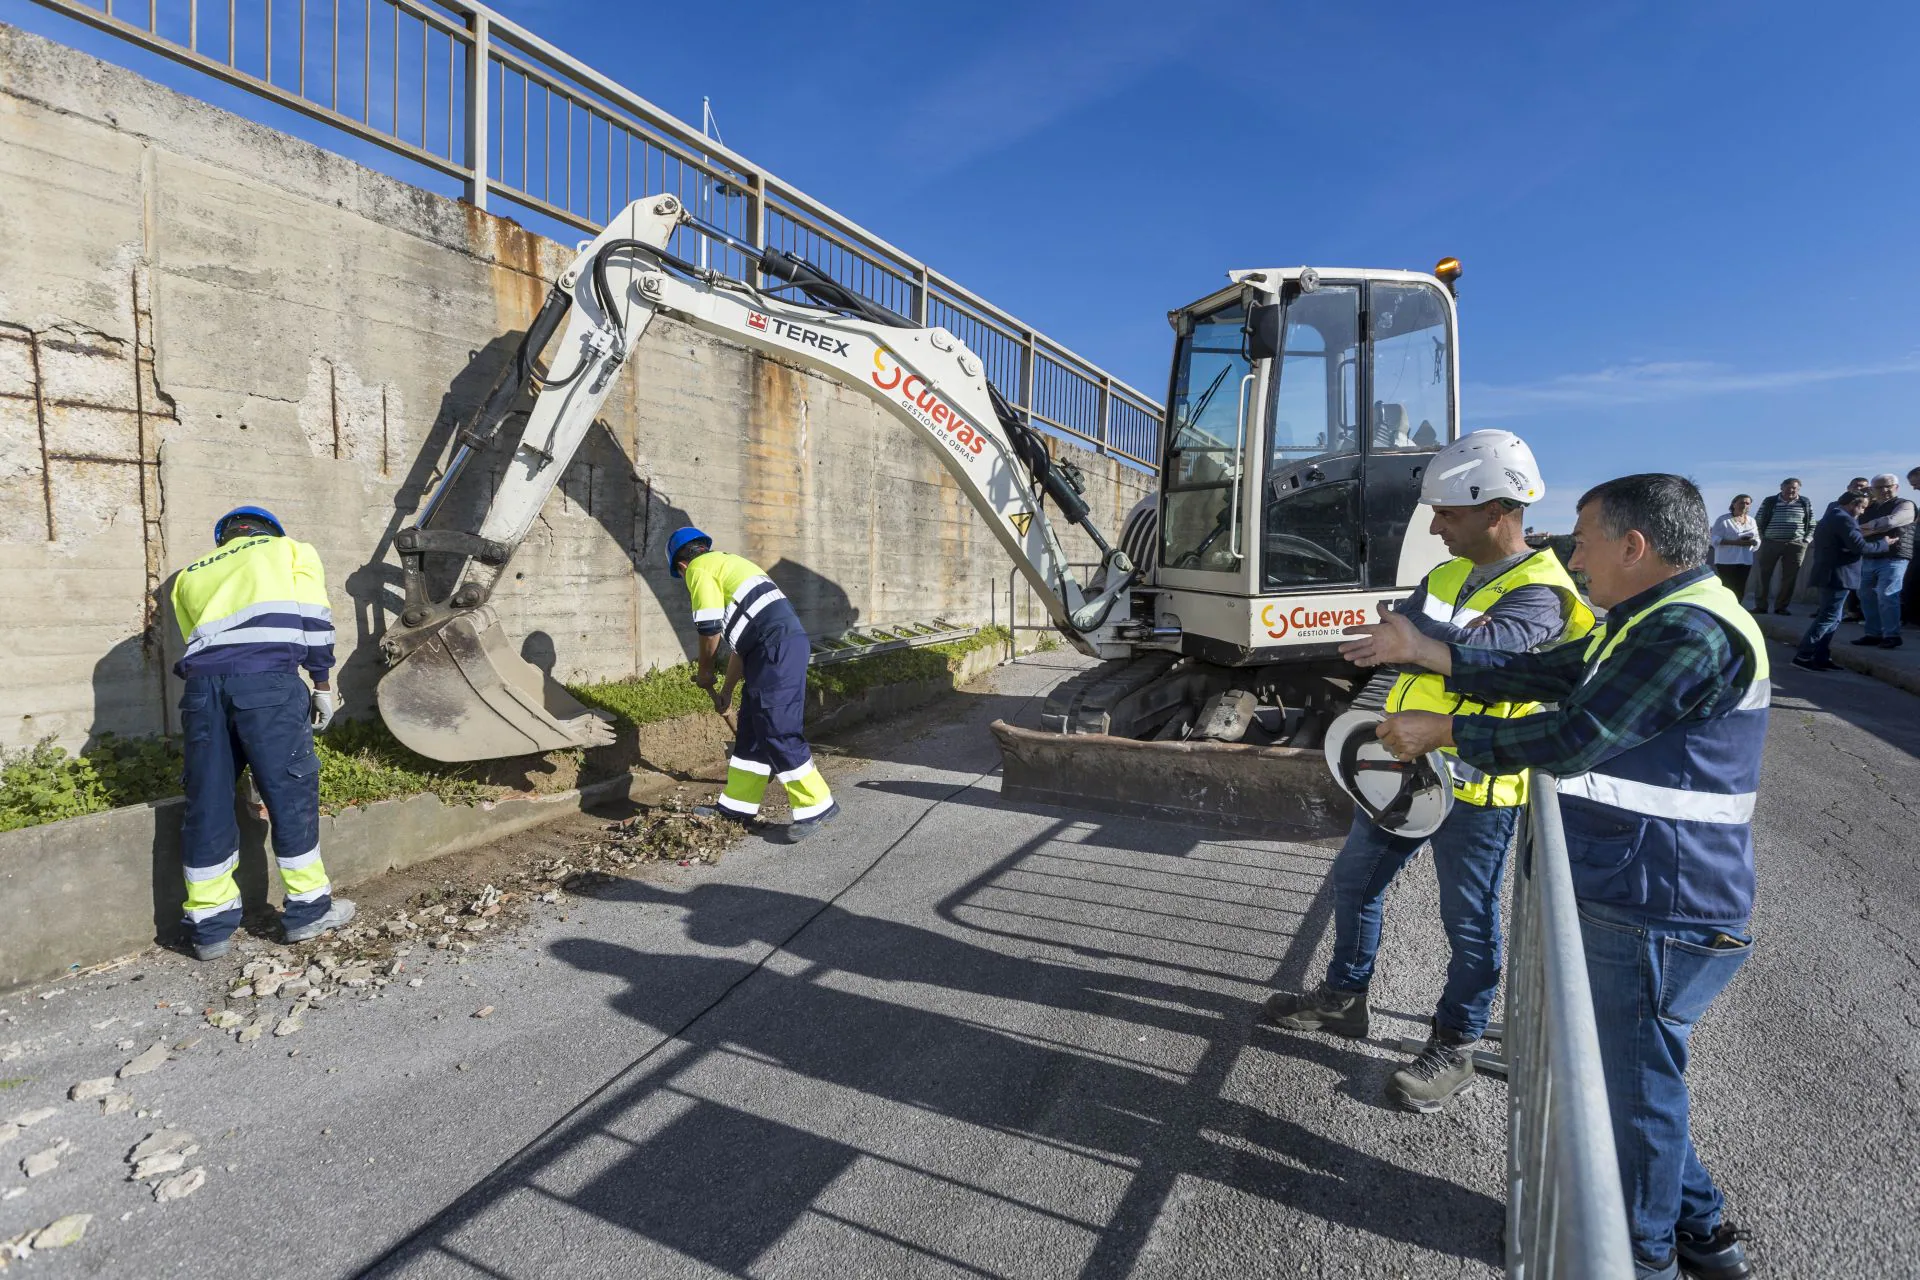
1566, 1219
457, 87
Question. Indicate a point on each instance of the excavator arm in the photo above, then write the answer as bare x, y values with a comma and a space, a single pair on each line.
454, 688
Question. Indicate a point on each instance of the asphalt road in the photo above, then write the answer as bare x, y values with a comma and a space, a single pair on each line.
955, 1038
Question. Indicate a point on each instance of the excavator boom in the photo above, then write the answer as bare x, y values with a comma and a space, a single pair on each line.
455, 690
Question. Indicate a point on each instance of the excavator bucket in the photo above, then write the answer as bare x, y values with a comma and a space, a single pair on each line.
466, 695
1283, 792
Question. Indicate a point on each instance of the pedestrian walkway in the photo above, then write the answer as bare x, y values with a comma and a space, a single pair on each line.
1897, 667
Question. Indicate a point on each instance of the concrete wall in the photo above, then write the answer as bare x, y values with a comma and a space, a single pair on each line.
196, 311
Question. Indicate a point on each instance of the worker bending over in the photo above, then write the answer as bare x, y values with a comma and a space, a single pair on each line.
733, 599
252, 614
1656, 741
1497, 594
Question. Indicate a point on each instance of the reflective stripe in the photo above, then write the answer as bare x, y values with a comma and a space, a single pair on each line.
738, 806
800, 772
1464, 772
737, 627
205, 632
708, 615
751, 766
1759, 694
197, 914
812, 811
311, 894
1436, 608
1660, 802
200, 875
261, 635
301, 862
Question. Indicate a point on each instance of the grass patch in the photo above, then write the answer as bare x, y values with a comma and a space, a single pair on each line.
43, 783
662, 694
15, 1082
362, 762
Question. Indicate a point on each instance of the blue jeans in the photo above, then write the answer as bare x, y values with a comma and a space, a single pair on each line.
1469, 856
1817, 644
1880, 584
1652, 980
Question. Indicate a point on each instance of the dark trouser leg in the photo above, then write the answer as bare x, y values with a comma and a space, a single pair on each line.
1735, 578
1651, 984
270, 720
1764, 560
782, 662
1362, 870
1790, 556
1469, 857
209, 834
1817, 644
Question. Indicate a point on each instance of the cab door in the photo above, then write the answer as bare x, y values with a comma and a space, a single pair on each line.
1411, 393
1206, 532
1314, 491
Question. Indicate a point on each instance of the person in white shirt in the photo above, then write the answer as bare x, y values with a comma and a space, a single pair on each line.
1735, 535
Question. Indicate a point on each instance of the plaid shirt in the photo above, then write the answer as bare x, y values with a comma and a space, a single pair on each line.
1670, 668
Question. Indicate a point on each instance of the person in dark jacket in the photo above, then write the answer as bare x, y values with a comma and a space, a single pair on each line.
1883, 573
1838, 546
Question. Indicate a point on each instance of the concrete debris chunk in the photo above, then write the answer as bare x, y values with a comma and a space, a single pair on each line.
484, 1011
191, 1042
28, 1119
160, 1140
114, 1103
8, 1132
295, 989
241, 993
475, 926
267, 985
152, 1060
416, 982
62, 1232
181, 1185
165, 1162
45, 1161
253, 1031
257, 968
87, 1090
288, 1025
226, 1020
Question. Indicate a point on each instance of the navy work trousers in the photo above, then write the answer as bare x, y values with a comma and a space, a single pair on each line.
259, 720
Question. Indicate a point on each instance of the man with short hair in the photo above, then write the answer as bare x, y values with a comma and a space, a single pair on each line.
1656, 740
1838, 546
253, 613
1786, 526
1496, 593
1883, 573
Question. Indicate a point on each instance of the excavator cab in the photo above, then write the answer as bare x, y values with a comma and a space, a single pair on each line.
1303, 408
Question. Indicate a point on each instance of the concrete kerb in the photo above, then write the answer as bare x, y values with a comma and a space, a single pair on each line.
87, 890
1897, 667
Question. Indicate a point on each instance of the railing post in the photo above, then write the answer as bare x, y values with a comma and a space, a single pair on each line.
479, 114
756, 221
1102, 428
922, 288
1026, 374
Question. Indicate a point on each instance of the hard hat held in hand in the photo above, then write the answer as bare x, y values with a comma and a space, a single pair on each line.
1479, 467
1402, 797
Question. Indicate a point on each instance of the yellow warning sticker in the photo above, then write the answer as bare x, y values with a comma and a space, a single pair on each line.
1021, 520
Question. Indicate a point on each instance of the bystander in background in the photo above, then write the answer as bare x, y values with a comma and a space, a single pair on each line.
1838, 546
1734, 536
1884, 572
1786, 526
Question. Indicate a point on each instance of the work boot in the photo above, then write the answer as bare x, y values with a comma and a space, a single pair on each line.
1444, 1068
798, 831
338, 914
1872, 640
212, 950
727, 815
1324, 1008
1891, 642
1719, 1256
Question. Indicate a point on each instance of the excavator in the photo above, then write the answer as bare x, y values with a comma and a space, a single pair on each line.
1304, 405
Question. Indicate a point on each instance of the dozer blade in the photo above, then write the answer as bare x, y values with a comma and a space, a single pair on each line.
1260, 791
466, 695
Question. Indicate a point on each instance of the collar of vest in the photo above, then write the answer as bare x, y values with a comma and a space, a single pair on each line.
1704, 591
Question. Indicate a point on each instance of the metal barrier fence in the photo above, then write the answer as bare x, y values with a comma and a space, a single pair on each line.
1565, 1216
457, 87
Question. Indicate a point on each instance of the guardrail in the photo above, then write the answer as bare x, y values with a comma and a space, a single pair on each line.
459, 88
1565, 1216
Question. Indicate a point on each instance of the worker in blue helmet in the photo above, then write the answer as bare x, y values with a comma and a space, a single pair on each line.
734, 600
252, 614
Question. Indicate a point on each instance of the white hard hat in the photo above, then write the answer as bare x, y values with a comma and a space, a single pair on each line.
1479, 467
1402, 797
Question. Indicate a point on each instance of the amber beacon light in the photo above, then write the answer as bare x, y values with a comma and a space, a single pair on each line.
1448, 269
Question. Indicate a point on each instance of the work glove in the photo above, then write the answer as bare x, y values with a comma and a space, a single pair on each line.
323, 707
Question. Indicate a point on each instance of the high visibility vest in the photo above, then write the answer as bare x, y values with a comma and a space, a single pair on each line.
733, 596
1665, 827
1427, 691
255, 604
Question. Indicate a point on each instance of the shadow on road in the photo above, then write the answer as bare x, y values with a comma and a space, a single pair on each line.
859, 1019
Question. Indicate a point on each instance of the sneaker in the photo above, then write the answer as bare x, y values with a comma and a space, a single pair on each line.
1807, 664
798, 831
1444, 1068
338, 914
1891, 642
1324, 1008
1875, 640
212, 950
1719, 1256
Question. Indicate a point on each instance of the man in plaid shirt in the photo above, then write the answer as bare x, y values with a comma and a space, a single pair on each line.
1656, 744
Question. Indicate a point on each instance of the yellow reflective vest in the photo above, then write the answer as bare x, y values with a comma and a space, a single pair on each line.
1427, 691
255, 605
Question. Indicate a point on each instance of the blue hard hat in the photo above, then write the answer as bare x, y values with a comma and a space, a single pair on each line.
256, 513
679, 541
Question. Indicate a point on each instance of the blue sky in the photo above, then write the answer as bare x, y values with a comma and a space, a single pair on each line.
1688, 229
